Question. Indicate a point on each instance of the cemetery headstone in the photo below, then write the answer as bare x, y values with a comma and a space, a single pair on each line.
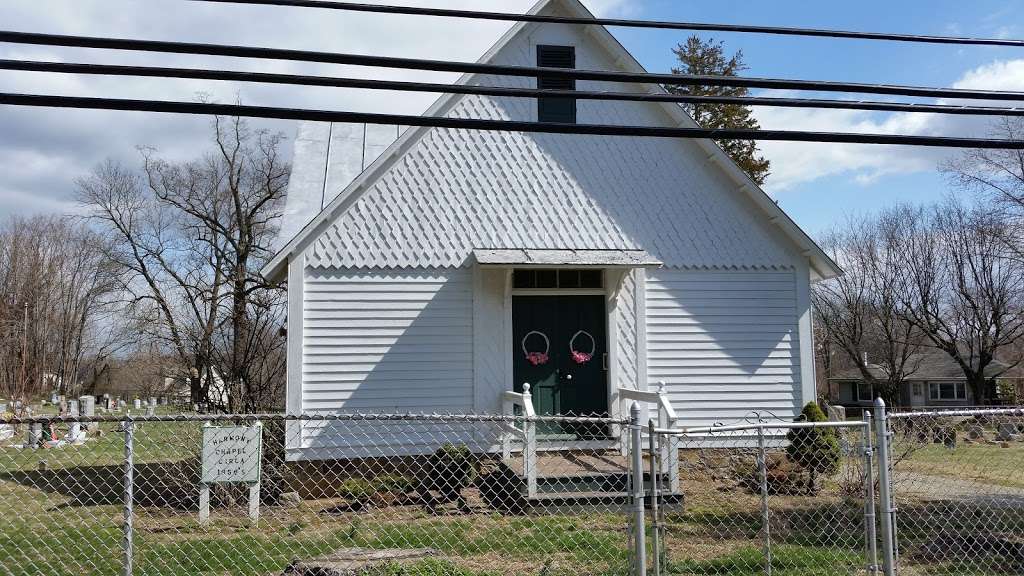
75, 433
837, 413
35, 436
231, 454
88, 405
137, 403
1006, 432
976, 432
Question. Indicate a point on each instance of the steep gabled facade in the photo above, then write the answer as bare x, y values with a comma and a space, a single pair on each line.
445, 271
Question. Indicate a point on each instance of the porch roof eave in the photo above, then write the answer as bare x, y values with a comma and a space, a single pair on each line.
547, 258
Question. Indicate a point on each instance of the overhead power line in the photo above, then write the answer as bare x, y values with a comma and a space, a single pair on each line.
494, 125
498, 91
493, 69
618, 22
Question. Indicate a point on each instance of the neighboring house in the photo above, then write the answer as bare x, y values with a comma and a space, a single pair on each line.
936, 381
436, 270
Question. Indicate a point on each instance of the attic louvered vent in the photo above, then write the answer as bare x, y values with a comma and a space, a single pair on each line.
560, 110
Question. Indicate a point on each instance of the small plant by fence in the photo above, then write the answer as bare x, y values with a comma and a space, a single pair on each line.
470, 495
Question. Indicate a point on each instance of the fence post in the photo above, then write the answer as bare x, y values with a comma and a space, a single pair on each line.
870, 521
762, 470
885, 487
655, 495
636, 446
129, 494
529, 446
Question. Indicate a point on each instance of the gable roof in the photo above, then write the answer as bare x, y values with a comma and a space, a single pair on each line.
930, 364
821, 265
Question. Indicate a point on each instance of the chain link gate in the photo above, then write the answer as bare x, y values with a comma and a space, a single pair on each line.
767, 498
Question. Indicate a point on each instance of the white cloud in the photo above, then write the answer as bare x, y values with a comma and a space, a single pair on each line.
61, 145
795, 163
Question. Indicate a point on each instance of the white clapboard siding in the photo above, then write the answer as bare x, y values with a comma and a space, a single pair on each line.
726, 343
392, 341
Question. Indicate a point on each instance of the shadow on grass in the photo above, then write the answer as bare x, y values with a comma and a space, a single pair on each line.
171, 484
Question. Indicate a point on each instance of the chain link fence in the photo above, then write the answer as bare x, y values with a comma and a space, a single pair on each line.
770, 498
316, 495
489, 495
958, 489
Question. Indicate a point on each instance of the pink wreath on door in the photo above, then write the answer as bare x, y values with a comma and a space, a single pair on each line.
536, 358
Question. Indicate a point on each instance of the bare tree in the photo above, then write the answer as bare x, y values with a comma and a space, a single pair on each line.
859, 311
56, 289
193, 236
961, 285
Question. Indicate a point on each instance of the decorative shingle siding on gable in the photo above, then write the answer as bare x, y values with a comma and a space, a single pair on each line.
455, 190
726, 343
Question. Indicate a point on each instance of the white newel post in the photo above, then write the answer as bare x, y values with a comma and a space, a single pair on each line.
670, 447
530, 446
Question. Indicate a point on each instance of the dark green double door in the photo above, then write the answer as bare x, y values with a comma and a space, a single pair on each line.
547, 330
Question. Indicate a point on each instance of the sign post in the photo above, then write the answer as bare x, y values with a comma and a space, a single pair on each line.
231, 454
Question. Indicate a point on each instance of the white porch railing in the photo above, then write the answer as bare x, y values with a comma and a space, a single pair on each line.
524, 401
666, 418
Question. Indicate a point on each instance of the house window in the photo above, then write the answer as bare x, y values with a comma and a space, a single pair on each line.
571, 279
864, 392
945, 391
556, 109
918, 389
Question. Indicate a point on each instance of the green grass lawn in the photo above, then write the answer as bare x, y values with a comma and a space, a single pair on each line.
981, 463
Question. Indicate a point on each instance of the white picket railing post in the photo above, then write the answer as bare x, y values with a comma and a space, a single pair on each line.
530, 444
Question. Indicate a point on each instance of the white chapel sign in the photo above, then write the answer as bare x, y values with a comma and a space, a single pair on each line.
231, 454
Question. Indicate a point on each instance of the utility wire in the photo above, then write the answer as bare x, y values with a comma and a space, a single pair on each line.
494, 125
494, 69
508, 17
358, 83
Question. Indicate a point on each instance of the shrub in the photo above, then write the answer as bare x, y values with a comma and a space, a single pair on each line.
816, 450
447, 471
361, 492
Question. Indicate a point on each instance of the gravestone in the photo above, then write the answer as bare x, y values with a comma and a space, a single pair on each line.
976, 432
88, 406
54, 398
837, 413
75, 433
137, 403
35, 436
6, 430
1006, 432
150, 409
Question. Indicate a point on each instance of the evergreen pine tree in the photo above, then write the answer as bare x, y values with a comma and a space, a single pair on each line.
702, 57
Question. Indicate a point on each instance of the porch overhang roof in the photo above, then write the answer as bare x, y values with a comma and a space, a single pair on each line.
507, 257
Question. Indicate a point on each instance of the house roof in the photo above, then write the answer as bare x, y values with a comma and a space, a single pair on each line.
930, 364
821, 265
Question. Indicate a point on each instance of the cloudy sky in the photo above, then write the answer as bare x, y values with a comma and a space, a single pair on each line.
42, 151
